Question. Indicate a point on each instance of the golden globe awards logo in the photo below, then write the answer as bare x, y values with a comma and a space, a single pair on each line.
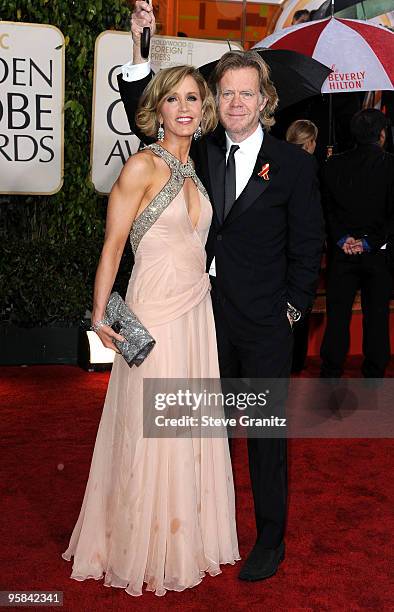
31, 108
21, 111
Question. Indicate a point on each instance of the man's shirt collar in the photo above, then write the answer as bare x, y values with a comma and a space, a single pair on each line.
251, 144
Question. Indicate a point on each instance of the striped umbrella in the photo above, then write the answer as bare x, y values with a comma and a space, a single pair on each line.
360, 54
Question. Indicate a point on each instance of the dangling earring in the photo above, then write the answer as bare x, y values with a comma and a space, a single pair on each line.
160, 133
198, 133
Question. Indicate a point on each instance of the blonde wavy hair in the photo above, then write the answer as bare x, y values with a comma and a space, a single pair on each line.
164, 83
234, 60
301, 131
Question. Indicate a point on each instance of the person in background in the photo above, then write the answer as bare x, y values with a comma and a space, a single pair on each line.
302, 133
300, 17
359, 203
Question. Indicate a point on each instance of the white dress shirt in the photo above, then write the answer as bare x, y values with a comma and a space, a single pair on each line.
135, 72
245, 157
245, 161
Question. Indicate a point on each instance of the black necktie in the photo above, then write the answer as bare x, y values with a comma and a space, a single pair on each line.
230, 181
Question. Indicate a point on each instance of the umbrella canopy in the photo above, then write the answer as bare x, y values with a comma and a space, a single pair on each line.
295, 76
360, 54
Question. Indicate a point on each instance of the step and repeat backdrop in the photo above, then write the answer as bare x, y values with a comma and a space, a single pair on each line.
32, 70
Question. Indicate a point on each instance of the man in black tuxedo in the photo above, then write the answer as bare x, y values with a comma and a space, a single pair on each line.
359, 189
264, 248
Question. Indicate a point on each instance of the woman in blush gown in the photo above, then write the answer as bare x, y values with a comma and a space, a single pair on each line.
159, 511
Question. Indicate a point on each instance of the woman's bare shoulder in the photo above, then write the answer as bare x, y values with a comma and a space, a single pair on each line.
140, 166
142, 161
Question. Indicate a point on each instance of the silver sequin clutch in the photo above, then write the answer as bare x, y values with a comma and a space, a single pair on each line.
138, 342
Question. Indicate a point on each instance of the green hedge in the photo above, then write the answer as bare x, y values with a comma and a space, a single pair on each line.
46, 283
49, 245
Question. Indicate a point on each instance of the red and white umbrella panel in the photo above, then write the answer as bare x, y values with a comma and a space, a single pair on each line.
360, 54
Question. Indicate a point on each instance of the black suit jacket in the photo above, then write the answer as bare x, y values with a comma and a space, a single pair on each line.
359, 195
268, 249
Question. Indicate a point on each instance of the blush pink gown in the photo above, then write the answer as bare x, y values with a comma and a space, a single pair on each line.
160, 511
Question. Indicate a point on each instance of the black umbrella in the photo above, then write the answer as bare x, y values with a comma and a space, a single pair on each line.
325, 10
295, 76
352, 9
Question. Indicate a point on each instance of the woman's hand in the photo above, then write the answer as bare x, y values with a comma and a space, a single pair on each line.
107, 336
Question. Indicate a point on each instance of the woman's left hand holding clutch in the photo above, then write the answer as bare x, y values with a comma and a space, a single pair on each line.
106, 334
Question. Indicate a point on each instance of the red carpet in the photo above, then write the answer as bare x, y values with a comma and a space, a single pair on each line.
340, 528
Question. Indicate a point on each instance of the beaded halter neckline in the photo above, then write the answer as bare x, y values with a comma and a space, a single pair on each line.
179, 173
186, 170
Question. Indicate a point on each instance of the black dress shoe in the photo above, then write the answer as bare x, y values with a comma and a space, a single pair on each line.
262, 562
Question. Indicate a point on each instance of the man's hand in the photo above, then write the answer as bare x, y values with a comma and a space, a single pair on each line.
353, 246
142, 17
